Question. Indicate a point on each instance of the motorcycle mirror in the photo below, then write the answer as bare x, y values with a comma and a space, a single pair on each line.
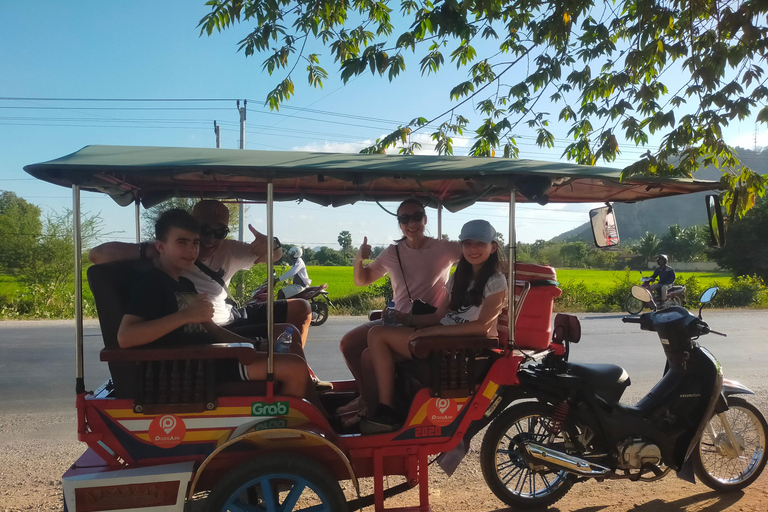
715, 221
708, 295
642, 294
605, 231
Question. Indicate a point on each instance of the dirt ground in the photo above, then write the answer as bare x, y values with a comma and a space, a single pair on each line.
36, 449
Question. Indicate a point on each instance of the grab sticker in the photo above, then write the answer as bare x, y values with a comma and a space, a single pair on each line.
442, 411
167, 431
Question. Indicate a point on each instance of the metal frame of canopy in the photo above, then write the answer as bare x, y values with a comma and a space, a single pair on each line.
152, 174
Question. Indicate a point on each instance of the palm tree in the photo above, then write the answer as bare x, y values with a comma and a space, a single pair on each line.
648, 246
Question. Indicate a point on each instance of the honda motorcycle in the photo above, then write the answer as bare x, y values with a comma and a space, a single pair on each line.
675, 294
317, 296
575, 428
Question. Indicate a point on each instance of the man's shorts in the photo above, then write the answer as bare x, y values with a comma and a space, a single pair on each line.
256, 314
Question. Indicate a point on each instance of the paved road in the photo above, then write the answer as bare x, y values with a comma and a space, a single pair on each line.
37, 358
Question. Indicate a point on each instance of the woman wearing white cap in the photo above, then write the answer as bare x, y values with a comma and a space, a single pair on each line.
477, 294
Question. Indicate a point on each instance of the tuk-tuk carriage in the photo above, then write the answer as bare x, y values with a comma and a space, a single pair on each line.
162, 430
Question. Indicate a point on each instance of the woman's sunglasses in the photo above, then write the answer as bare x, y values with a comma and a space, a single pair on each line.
406, 218
220, 233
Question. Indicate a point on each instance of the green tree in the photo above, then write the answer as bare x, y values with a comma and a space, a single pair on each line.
574, 254
20, 231
602, 69
53, 257
345, 241
648, 246
747, 246
329, 257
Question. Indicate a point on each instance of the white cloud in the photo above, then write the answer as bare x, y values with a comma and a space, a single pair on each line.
334, 147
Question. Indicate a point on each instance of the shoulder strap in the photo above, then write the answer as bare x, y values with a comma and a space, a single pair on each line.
397, 250
216, 277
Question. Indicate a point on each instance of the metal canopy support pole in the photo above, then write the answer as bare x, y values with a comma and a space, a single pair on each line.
270, 287
79, 381
138, 221
439, 220
241, 208
511, 270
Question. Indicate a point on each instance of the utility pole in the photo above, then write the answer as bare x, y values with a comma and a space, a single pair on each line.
217, 131
241, 208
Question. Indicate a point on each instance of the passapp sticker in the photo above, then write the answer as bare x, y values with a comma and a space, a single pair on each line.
267, 409
167, 431
442, 411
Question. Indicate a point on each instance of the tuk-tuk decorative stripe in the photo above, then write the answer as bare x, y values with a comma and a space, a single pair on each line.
218, 412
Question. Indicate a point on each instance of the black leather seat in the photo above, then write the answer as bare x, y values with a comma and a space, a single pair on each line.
608, 380
164, 375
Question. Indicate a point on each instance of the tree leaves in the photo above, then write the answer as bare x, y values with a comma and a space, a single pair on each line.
602, 68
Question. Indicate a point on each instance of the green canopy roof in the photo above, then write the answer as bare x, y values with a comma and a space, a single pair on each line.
153, 174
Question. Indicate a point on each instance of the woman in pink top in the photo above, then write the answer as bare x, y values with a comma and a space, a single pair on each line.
426, 263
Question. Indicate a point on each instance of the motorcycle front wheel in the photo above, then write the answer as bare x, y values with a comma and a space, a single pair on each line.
319, 313
719, 464
634, 306
510, 477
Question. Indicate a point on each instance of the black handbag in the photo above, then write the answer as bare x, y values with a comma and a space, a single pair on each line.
418, 306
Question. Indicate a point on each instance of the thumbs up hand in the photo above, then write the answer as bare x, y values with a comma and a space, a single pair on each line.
364, 252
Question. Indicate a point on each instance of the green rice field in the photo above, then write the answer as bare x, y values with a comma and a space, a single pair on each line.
605, 278
8, 286
340, 281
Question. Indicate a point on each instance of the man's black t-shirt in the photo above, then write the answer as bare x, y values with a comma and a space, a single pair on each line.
156, 295
665, 274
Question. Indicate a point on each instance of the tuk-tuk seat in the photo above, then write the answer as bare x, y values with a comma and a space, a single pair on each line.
183, 377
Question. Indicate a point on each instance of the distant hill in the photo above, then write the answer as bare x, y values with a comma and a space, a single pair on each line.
656, 215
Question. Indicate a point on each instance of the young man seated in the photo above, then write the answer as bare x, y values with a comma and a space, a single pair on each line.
165, 309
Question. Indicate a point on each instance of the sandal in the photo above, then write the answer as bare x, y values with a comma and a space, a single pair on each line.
351, 419
353, 406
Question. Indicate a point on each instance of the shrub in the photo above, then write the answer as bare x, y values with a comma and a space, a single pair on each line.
742, 291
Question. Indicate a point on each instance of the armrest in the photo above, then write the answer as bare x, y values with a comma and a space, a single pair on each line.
421, 347
244, 352
375, 314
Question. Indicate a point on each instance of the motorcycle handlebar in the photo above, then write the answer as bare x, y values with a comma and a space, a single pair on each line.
631, 319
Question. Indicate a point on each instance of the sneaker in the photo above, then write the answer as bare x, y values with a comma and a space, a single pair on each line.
384, 420
322, 385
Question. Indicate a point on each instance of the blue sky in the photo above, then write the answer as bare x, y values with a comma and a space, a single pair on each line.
152, 50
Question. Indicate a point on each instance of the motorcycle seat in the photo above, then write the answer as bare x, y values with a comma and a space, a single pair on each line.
608, 380
675, 288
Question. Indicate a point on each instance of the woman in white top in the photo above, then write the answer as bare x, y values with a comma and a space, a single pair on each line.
478, 292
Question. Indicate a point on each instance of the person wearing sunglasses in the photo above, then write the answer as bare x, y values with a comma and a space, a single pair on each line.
218, 260
418, 267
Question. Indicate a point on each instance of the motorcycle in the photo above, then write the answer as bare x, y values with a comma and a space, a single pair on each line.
576, 428
317, 296
675, 294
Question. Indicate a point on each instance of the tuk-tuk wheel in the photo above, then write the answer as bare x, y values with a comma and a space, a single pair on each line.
278, 481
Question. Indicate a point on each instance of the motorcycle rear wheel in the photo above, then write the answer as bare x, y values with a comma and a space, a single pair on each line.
676, 301
509, 476
319, 313
634, 306
717, 464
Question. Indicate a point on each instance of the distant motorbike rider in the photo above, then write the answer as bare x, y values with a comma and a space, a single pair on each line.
298, 271
666, 276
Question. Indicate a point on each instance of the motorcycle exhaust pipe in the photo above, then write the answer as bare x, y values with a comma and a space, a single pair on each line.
560, 460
